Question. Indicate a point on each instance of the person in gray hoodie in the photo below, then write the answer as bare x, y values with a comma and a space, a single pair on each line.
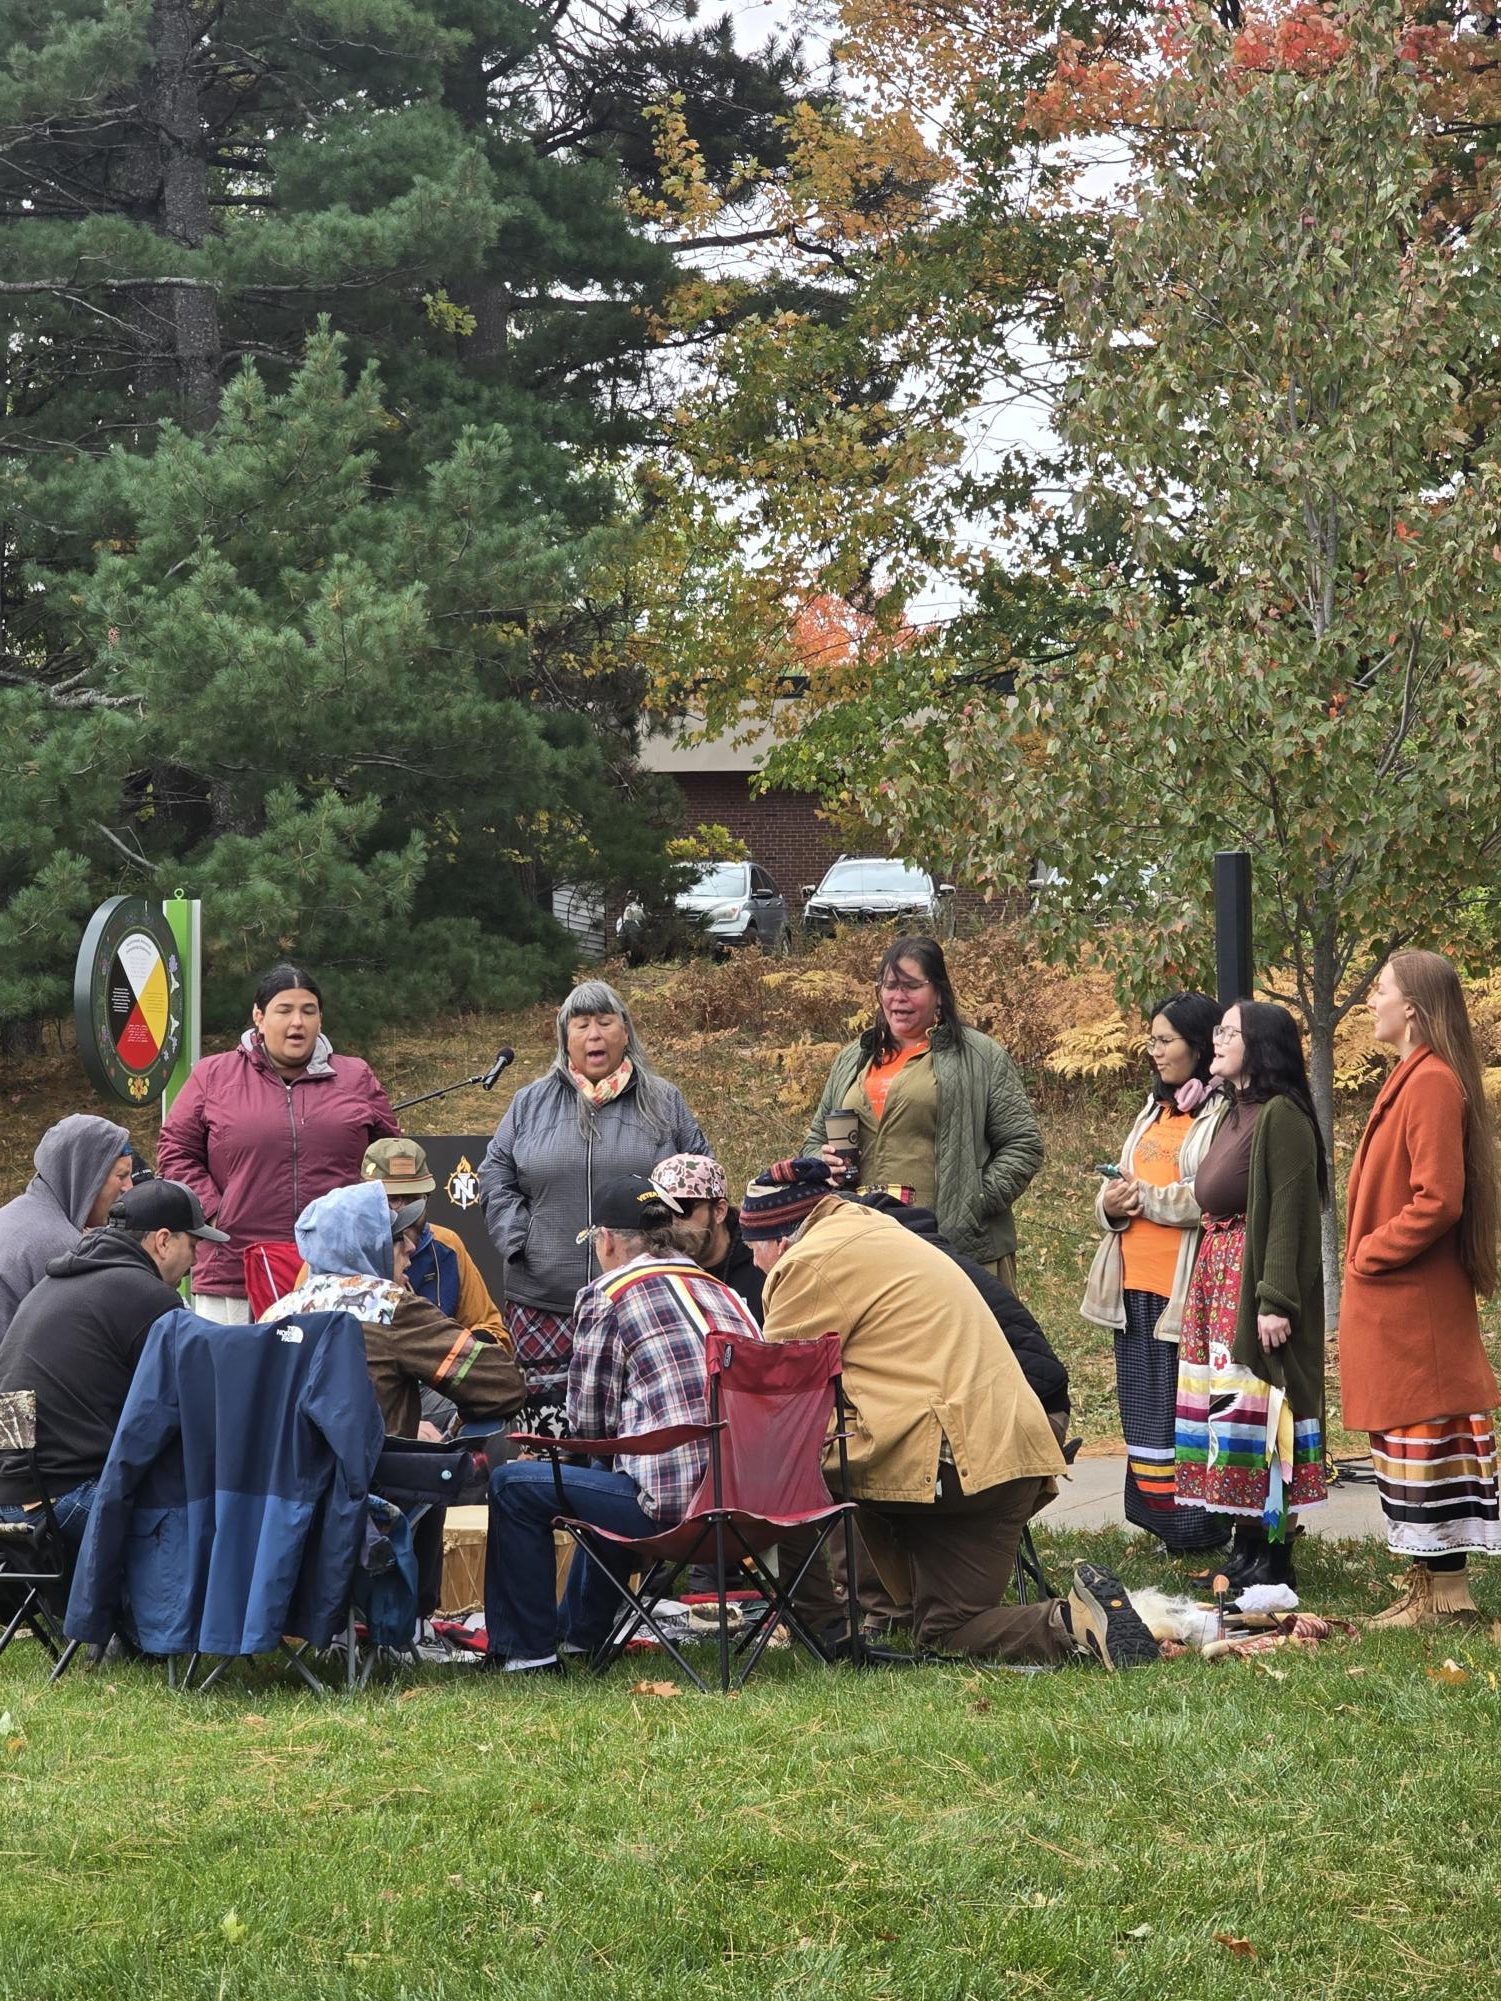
83, 1166
600, 1112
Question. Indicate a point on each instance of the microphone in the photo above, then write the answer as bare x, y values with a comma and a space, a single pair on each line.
503, 1058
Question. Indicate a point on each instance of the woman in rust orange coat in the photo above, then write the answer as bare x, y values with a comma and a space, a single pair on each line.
1421, 1244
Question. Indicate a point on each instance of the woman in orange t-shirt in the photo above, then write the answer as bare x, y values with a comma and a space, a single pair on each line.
1139, 1280
940, 1107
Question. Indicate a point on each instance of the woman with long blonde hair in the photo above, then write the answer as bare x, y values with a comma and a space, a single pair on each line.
1421, 1244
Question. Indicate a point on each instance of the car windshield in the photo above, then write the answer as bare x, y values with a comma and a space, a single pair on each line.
719, 879
874, 879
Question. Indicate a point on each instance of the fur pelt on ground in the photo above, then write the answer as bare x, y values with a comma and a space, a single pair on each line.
1170, 1618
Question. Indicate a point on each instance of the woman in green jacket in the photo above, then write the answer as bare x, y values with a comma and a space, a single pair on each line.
941, 1108
1250, 1427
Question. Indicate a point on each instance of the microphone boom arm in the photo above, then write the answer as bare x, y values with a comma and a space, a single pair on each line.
485, 1079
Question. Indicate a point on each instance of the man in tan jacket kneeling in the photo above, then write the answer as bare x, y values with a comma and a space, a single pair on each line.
950, 1453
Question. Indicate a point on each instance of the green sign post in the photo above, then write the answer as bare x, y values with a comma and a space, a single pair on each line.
183, 915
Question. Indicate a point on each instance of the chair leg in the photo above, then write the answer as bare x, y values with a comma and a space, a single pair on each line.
1029, 1571
643, 1613
724, 1616
304, 1670
779, 1612
61, 1667
20, 1615
852, 1592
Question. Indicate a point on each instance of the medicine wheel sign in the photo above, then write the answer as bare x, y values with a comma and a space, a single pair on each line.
127, 1000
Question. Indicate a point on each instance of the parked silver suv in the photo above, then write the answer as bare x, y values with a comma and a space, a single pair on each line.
737, 903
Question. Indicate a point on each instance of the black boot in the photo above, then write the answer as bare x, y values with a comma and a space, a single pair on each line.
1279, 1565
1246, 1553
1273, 1565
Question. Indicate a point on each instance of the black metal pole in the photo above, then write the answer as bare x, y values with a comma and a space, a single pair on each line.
1232, 924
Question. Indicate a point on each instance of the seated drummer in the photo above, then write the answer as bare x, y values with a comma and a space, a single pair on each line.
357, 1249
440, 1270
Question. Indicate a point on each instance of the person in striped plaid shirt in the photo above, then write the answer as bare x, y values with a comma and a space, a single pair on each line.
637, 1365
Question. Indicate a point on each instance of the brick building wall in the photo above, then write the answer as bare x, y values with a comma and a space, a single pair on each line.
782, 830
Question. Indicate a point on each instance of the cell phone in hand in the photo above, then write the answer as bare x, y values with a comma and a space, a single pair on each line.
1107, 1170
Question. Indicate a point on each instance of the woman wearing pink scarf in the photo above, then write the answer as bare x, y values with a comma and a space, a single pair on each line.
601, 1112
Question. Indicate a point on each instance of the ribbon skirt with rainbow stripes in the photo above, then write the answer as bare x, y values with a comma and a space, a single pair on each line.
1225, 1423
1438, 1487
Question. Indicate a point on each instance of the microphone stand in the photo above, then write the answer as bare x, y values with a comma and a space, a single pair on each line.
485, 1079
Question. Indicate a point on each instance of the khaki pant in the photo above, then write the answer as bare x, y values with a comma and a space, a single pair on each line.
952, 1560
956, 1556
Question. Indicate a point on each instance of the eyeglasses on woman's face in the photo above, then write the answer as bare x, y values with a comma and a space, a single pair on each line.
1227, 1035
895, 984
1157, 1043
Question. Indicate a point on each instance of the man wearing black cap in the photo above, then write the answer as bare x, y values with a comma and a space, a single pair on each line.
78, 1335
637, 1366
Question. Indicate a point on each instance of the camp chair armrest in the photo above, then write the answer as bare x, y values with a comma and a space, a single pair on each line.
640, 1444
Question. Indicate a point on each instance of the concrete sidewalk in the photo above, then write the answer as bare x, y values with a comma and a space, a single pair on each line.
1092, 1500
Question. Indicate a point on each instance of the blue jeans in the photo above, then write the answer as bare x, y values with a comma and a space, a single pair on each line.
71, 1509
524, 1620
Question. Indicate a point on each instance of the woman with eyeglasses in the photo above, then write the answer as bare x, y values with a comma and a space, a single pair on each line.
1421, 1244
1250, 1434
940, 1107
1138, 1283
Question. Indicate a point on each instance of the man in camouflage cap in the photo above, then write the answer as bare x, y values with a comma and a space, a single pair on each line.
708, 1230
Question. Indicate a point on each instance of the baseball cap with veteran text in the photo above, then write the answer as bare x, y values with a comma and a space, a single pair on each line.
632, 1203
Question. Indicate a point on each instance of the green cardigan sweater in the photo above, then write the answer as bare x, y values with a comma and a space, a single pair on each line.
1283, 1268
989, 1143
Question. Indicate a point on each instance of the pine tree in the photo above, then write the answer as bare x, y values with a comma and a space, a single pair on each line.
339, 642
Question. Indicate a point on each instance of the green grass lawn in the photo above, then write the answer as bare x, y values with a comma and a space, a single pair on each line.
944, 1833
938, 1833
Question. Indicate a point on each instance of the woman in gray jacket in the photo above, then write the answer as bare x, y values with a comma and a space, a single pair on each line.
600, 1112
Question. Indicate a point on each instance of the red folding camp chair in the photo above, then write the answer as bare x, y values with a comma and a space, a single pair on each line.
770, 1404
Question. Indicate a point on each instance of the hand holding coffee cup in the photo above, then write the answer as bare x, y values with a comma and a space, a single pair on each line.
842, 1140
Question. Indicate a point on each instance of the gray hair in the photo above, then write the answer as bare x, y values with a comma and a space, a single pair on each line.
654, 1095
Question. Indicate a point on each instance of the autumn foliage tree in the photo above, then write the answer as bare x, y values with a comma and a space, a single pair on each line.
1265, 615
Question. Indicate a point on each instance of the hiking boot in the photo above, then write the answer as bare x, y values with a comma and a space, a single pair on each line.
1103, 1621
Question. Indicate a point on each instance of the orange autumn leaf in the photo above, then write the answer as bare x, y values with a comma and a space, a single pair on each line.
1241, 1947
1451, 1673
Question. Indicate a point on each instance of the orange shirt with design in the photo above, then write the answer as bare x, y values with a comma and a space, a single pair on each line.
1150, 1250
879, 1078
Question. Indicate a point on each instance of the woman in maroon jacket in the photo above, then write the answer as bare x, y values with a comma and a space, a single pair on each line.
260, 1131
